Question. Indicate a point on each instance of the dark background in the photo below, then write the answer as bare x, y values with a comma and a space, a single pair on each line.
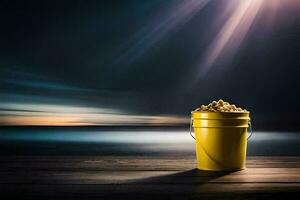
138, 57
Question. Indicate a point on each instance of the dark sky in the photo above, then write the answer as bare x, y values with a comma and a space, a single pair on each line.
150, 57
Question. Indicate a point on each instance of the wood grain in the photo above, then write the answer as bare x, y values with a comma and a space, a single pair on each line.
148, 177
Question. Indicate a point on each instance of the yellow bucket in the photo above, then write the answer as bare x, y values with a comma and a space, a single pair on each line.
221, 139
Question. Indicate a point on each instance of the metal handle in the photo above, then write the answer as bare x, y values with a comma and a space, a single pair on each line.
191, 123
250, 127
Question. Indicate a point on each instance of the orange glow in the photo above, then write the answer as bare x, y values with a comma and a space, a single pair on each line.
41, 121
88, 121
59, 115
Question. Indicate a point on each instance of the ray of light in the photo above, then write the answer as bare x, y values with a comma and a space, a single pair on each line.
44, 85
231, 35
163, 26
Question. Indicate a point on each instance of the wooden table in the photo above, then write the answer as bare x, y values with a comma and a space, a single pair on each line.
144, 177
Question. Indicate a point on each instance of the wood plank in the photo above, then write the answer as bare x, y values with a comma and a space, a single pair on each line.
162, 188
158, 191
139, 177
5, 159
146, 177
200, 173
81, 163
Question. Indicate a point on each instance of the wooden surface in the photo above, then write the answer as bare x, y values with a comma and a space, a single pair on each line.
126, 177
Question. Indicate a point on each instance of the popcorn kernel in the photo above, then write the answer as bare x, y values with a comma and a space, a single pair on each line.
220, 106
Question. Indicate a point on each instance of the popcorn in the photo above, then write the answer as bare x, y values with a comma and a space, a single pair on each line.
220, 106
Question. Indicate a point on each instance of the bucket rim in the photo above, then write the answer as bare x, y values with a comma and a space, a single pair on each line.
235, 112
196, 115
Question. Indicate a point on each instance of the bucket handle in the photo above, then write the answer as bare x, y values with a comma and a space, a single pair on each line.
191, 122
250, 127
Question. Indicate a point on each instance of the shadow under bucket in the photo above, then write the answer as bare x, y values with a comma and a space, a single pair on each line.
221, 139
